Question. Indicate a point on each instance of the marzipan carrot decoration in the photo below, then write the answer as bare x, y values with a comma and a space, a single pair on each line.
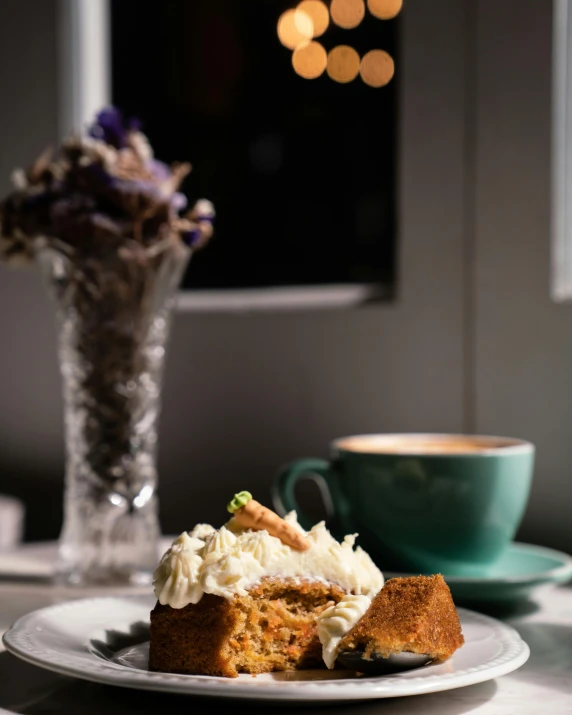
252, 515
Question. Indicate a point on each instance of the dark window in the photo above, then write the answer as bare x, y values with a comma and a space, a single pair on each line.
302, 172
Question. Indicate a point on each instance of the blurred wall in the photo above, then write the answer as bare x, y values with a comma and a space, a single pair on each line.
30, 423
523, 346
239, 396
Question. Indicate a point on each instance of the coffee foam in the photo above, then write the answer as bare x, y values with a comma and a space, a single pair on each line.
420, 444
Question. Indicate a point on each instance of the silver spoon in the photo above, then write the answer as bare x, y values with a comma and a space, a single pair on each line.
378, 665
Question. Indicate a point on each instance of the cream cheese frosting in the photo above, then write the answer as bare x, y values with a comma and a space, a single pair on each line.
230, 560
336, 621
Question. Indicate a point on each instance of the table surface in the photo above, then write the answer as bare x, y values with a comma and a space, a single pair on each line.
542, 685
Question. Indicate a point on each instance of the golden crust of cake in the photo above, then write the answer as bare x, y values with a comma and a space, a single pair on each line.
273, 628
415, 615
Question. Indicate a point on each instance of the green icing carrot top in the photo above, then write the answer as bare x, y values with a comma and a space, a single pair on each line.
241, 499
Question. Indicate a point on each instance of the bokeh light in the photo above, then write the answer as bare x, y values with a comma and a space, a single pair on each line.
377, 68
318, 13
347, 13
295, 28
309, 61
385, 9
343, 64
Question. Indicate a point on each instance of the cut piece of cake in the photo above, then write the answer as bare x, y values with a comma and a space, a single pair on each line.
246, 598
272, 628
411, 615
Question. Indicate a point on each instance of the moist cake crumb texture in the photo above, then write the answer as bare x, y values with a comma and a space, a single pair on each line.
272, 628
415, 615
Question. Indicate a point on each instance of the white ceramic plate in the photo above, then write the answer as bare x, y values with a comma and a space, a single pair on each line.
105, 640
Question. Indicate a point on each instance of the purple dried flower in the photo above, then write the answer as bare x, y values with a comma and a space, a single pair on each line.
110, 190
159, 169
191, 237
203, 210
110, 127
178, 201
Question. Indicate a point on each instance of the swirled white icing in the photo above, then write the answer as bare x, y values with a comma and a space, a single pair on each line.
176, 577
336, 621
201, 531
218, 542
231, 560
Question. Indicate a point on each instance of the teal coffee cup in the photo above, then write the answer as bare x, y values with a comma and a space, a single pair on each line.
421, 503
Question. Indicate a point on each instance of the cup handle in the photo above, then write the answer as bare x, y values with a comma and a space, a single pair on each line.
283, 496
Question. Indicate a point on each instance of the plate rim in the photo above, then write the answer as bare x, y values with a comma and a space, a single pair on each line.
558, 574
18, 640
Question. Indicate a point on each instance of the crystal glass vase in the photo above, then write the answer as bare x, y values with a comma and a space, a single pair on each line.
113, 314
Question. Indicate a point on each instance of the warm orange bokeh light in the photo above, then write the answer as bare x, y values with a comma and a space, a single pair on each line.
295, 28
309, 61
377, 68
318, 13
347, 13
385, 9
343, 64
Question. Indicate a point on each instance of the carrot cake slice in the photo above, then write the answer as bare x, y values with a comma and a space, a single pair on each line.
246, 598
413, 615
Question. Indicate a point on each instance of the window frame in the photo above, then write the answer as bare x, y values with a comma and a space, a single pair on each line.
84, 57
561, 225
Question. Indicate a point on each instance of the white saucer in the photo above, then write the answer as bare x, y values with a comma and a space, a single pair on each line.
105, 640
520, 571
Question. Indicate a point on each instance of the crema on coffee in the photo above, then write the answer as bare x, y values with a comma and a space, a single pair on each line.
423, 444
